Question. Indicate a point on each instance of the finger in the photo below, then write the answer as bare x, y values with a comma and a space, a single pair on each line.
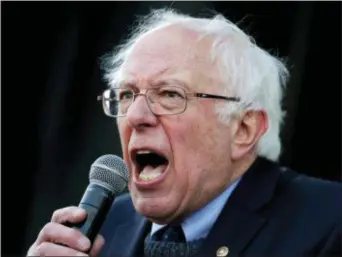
60, 234
98, 244
32, 250
50, 249
70, 214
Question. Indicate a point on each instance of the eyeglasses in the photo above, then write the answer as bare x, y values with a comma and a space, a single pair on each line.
166, 100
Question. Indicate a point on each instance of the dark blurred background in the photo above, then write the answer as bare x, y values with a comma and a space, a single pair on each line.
53, 128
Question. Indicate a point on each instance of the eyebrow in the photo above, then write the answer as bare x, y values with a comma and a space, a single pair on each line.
130, 83
165, 82
125, 83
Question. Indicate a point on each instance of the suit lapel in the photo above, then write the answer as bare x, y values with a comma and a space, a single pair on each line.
129, 238
234, 230
240, 219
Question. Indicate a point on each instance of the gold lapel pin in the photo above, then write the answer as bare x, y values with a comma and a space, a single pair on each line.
222, 251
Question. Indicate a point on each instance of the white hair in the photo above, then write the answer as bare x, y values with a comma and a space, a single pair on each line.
246, 70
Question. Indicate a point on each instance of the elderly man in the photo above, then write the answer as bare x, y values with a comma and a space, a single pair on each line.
198, 108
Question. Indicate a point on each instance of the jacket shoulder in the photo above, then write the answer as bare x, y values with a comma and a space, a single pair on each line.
121, 211
322, 198
324, 191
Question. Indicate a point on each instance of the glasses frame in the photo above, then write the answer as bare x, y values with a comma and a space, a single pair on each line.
188, 96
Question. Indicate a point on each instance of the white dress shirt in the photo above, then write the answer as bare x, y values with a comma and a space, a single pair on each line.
199, 223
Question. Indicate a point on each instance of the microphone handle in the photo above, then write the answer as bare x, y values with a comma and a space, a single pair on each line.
96, 201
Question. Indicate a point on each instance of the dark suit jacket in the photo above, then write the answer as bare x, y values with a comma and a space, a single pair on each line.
272, 212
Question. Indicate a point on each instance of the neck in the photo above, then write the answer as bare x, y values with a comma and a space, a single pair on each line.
240, 166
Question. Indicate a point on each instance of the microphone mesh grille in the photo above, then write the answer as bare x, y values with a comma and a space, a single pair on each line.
111, 172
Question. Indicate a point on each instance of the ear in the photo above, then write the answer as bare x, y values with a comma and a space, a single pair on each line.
247, 131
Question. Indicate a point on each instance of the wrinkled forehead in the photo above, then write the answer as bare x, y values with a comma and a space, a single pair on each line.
170, 53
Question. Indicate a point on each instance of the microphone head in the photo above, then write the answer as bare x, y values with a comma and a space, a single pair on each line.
111, 172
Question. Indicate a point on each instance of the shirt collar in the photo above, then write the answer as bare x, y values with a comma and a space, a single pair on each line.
199, 223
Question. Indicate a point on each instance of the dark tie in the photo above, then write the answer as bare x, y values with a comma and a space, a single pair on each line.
170, 242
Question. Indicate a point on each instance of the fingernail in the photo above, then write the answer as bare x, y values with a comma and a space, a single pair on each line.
84, 243
79, 212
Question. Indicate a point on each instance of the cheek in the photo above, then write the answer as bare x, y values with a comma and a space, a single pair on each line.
192, 139
124, 133
196, 128
195, 136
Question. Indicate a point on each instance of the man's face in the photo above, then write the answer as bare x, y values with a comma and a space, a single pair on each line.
194, 143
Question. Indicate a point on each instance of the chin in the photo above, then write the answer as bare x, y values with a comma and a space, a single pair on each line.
155, 209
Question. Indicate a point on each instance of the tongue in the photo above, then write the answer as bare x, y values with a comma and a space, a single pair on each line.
149, 172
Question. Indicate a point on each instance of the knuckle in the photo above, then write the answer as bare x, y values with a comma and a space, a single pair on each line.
44, 231
48, 227
32, 250
40, 249
56, 215
63, 214
75, 234
49, 232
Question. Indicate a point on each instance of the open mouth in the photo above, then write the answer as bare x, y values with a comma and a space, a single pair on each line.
150, 164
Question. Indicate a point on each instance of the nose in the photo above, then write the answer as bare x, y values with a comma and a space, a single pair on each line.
139, 114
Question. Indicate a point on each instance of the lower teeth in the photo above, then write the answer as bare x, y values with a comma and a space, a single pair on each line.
146, 177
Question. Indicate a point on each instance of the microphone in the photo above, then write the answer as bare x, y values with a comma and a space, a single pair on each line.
108, 178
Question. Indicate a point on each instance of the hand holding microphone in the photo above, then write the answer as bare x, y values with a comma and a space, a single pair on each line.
56, 239
73, 231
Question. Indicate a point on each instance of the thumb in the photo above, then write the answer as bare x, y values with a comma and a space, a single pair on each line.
97, 246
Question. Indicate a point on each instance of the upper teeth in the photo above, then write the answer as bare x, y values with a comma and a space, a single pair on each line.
144, 152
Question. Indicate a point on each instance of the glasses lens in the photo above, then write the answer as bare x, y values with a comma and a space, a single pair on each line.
167, 100
162, 101
116, 101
